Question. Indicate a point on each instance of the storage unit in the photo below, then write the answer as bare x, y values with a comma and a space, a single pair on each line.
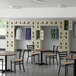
64, 35
10, 36
37, 32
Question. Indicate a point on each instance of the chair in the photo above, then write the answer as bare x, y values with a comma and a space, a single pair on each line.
64, 63
52, 55
18, 61
32, 53
1, 59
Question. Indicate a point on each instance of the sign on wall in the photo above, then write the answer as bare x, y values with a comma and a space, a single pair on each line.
2, 29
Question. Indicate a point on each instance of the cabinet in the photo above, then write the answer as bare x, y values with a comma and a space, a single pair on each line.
37, 32
64, 35
61, 25
70, 25
10, 36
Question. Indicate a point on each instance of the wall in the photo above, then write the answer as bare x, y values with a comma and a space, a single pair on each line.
69, 12
73, 41
22, 44
48, 42
2, 43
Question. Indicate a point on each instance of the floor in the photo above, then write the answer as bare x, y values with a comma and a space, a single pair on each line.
37, 70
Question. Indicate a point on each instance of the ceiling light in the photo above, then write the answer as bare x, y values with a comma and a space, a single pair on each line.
62, 6
15, 7
38, 1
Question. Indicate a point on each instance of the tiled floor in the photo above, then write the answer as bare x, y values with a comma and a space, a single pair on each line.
37, 70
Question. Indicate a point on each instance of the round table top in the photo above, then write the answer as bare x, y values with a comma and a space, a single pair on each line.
7, 54
70, 58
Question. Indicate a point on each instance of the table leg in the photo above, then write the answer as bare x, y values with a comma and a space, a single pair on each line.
6, 70
42, 59
5, 62
28, 57
74, 68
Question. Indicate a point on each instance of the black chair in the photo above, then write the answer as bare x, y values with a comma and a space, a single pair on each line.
1, 59
32, 53
52, 55
18, 61
62, 62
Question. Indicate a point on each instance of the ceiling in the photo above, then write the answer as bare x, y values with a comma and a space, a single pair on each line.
36, 3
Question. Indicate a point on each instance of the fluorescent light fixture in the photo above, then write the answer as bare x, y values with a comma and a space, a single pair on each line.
62, 6
15, 7
38, 1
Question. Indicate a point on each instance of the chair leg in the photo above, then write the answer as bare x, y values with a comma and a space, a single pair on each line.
11, 65
2, 65
53, 60
65, 70
57, 60
15, 66
38, 58
49, 60
23, 66
27, 59
31, 60
19, 65
34, 59
46, 59
59, 70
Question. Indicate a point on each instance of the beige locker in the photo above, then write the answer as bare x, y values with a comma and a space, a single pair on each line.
61, 35
11, 45
61, 45
7, 44
7, 34
70, 25
11, 34
61, 25
66, 46
7, 25
38, 44
33, 33
38, 27
11, 26
54, 23
41, 34
66, 35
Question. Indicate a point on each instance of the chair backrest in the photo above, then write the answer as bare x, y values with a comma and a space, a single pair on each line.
21, 53
30, 47
55, 49
61, 55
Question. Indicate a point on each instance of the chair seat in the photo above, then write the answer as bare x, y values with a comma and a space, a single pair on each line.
15, 60
1, 58
67, 63
51, 54
34, 53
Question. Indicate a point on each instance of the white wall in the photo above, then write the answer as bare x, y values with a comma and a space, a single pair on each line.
2, 43
73, 42
48, 42
22, 44
39, 13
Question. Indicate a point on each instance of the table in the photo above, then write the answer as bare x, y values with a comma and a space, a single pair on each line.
72, 58
6, 54
41, 51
